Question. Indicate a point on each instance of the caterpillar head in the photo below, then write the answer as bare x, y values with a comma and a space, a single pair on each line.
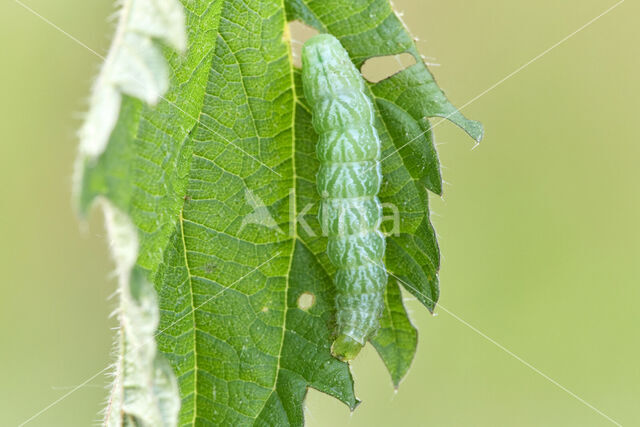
345, 348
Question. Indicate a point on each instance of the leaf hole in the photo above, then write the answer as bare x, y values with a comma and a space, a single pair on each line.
306, 301
380, 67
299, 33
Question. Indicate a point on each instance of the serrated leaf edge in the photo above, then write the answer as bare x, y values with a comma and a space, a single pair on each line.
135, 65
145, 390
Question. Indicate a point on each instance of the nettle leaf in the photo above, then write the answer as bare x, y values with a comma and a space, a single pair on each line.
397, 338
145, 390
217, 179
410, 165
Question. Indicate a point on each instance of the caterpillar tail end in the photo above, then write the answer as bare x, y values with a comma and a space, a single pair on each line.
345, 348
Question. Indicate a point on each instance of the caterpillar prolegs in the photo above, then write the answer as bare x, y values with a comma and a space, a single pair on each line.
348, 181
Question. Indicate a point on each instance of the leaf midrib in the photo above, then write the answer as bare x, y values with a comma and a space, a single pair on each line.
193, 316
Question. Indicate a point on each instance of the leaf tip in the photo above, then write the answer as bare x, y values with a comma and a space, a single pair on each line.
473, 128
353, 406
477, 132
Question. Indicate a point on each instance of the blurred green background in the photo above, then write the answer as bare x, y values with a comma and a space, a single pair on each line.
538, 227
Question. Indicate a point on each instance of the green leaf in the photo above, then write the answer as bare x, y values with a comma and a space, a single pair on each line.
218, 182
306, 359
397, 338
415, 91
369, 28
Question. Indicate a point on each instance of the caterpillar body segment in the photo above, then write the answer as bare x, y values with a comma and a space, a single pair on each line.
348, 182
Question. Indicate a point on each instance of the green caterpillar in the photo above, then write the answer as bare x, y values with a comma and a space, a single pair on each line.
348, 182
